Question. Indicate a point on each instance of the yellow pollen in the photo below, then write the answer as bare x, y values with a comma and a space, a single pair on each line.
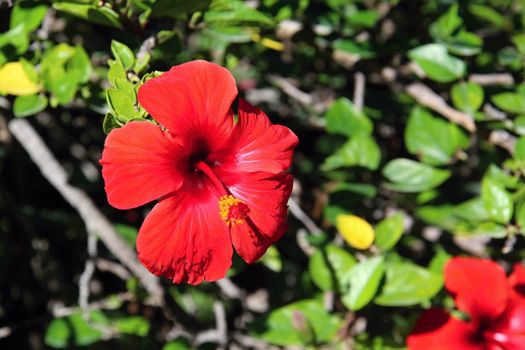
233, 211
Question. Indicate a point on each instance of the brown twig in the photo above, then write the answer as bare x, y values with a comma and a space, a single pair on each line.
359, 90
504, 79
93, 218
503, 139
428, 98
291, 90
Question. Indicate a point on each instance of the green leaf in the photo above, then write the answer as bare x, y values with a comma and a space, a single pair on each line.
488, 14
360, 150
16, 37
434, 139
126, 87
389, 231
229, 12
74, 329
363, 19
134, 325
99, 15
408, 284
410, 176
519, 150
472, 210
360, 50
465, 44
177, 345
363, 279
123, 54
344, 118
25, 106
446, 24
467, 97
278, 328
272, 259
328, 266
29, 14
116, 71
519, 125
79, 66
502, 177
109, 123
178, 8
121, 105
437, 64
510, 102
129, 233
497, 200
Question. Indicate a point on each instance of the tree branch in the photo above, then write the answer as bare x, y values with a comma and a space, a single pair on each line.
428, 98
93, 218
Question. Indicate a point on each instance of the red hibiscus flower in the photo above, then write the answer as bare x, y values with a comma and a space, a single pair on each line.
494, 304
219, 182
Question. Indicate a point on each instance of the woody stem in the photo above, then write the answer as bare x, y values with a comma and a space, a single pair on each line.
205, 168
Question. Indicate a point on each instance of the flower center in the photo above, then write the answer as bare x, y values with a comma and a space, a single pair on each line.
233, 211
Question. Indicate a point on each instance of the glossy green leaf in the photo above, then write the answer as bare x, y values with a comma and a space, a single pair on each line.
360, 150
344, 118
123, 53
467, 97
408, 284
406, 175
472, 210
134, 325
435, 140
227, 12
446, 24
279, 327
29, 14
272, 259
363, 279
79, 66
74, 330
99, 15
497, 200
389, 231
519, 150
177, 8
328, 266
510, 102
437, 63
121, 105
465, 44
25, 106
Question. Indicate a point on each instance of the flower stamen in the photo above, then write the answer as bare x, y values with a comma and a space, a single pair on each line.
233, 211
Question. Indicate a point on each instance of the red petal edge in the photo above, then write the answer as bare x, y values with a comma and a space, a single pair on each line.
479, 287
437, 330
184, 238
193, 101
140, 164
256, 144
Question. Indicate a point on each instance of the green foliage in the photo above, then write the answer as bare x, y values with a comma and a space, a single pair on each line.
402, 160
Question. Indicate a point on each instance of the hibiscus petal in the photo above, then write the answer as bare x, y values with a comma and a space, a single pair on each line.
256, 144
193, 101
437, 330
266, 196
517, 279
184, 238
140, 164
509, 329
479, 287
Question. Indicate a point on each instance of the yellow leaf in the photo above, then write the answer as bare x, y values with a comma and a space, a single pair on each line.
357, 232
15, 81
